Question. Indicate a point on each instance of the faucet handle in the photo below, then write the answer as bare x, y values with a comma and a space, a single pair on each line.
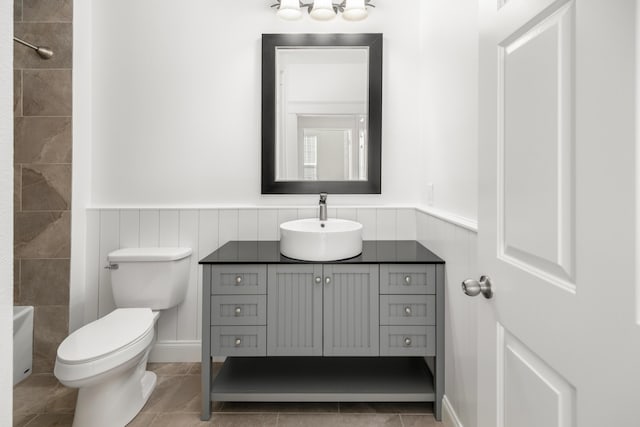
323, 197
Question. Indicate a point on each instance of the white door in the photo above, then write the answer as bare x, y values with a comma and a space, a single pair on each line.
559, 342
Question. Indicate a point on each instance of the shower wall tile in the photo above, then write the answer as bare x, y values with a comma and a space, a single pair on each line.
17, 93
46, 187
56, 36
47, 10
17, 10
42, 170
17, 193
42, 235
50, 326
44, 282
46, 92
42, 139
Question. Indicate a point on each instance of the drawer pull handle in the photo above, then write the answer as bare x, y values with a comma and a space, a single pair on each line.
238, 311
238, 280
318, 280
327, 280
407, 280
407, 342
407, 311
238, 342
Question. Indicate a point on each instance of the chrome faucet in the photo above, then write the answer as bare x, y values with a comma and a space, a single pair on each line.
323, 206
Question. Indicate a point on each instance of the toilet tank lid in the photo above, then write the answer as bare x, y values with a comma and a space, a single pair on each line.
148, 254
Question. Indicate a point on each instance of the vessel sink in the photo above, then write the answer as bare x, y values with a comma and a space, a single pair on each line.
314, 240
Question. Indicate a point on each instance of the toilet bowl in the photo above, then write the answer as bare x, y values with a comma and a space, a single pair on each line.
106, 359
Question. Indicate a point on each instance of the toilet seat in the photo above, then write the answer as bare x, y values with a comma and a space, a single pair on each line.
105, 344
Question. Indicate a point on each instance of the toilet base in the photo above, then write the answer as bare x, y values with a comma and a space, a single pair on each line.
117, 401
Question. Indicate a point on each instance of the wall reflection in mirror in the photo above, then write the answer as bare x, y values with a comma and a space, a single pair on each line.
322, 110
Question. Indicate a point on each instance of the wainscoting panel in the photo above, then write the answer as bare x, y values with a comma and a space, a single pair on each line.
457, 246
203, 230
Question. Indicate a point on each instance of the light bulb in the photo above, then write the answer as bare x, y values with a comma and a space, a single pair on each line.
290, 10
322, 10
355, 10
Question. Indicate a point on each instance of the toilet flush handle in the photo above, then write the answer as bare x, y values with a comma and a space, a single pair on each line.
111, 266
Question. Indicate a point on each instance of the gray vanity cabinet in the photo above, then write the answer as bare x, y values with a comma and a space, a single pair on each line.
366, 329
322, 310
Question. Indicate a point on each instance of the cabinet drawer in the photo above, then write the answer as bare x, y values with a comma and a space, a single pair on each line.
407, 309
238, 310
238, 340
407, 279
407, 341
239, 279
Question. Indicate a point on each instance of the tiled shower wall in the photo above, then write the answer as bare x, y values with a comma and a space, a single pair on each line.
42, 164
203, 230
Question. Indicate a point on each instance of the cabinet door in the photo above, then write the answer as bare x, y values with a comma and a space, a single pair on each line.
351, 322
294, 310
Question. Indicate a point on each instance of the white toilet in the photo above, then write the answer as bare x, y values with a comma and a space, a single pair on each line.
106, 359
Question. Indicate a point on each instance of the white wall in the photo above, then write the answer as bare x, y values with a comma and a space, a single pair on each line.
176, 101
449, 108
6, 211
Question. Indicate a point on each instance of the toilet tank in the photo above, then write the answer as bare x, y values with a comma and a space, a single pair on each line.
156, 278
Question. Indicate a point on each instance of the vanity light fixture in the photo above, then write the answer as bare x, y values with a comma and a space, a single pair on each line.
323, 10
289, 9
355, 10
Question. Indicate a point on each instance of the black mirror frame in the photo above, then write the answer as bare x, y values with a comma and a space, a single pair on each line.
374, 159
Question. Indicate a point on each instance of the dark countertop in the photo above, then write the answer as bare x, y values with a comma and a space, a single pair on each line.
373, 252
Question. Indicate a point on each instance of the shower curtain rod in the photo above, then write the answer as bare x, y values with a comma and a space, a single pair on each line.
42, 51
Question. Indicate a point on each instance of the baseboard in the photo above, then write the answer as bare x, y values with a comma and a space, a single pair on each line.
176, 351
449, 416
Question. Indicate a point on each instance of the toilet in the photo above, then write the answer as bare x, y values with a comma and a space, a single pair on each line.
107, 358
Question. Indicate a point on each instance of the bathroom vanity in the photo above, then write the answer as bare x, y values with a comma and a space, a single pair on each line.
365, 329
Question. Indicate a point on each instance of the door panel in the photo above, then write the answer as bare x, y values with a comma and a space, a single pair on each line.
558, 344
536, 180
529, 384
294, 312
351, 301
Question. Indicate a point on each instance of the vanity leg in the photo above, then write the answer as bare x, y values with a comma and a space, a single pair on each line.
206, 344
439, 362
206, 390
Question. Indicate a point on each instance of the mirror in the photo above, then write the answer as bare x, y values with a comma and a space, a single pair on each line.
321, 113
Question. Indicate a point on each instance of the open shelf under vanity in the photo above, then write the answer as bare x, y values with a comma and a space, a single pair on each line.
324, 379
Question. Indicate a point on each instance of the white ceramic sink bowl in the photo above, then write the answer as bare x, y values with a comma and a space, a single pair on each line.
314, 240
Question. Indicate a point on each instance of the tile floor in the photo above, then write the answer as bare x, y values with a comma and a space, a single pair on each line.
41, 401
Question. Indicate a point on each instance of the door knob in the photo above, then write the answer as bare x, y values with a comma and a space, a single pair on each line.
472, 287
